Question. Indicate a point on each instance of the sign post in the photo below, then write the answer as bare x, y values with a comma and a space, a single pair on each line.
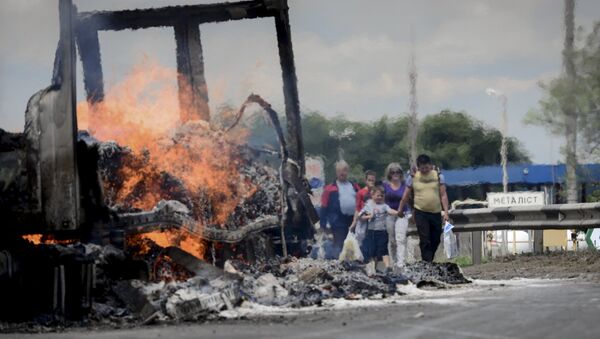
514, 199
592, 238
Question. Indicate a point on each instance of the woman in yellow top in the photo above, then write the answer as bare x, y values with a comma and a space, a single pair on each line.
430, 198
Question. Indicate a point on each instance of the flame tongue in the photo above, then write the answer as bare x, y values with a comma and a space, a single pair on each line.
166, 159
148, 154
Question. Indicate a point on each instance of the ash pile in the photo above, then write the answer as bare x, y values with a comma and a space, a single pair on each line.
281, 282
149, 284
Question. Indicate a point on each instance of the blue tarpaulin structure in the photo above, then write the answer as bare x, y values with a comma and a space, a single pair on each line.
528, 174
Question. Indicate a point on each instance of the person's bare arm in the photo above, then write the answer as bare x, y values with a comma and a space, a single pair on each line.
392, 211
354, 221
444, 197
403, 202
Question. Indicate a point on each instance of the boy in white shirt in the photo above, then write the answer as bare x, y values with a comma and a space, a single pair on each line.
375, 211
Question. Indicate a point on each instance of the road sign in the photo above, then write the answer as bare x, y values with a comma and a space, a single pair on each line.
552, 238
592, 237
512, 199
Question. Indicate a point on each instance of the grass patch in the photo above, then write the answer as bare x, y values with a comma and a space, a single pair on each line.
462, 260
465, 260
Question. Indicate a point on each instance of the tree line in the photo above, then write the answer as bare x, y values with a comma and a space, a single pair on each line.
576, 95
452, 139
571, 102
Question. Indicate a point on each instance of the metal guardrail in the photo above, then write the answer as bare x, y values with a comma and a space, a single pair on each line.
559, 216
536, 218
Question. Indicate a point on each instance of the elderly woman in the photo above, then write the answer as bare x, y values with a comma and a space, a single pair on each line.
396, 227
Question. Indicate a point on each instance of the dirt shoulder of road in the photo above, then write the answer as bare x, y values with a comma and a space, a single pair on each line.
554, 265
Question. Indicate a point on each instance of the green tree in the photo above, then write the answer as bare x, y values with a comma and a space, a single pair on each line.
571, 102
456, 140
588, 71
586, 90
372, 145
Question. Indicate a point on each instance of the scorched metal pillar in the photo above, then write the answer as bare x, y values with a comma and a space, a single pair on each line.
193, 94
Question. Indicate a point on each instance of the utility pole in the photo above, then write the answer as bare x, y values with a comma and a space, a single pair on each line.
503, 152
503, 162
413, 104
569, 108
504, 130
503, 145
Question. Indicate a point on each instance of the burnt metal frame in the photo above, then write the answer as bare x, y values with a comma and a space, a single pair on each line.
190, 65
51, 131
55, 202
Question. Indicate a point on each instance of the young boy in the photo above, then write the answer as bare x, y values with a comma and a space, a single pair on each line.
363, 195
375, 211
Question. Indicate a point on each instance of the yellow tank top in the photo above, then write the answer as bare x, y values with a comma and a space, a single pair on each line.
427, 192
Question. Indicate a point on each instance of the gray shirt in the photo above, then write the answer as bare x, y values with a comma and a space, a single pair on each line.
347, 197
379, 211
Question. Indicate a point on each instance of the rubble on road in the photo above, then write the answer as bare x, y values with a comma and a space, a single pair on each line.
285, 282
126, 297
447, 273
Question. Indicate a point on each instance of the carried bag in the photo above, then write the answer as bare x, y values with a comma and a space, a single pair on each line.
360, 231
450, 244
351, 250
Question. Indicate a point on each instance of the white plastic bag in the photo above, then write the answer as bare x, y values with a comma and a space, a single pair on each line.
351, 250
400, 230
450, 245
360, 230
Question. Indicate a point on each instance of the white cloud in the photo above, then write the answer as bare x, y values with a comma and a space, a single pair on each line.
28, 31
437, 89
351, 55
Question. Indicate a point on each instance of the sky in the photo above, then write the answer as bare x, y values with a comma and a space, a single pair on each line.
351, 57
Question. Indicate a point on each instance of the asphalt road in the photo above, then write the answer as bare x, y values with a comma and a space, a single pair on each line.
510, 309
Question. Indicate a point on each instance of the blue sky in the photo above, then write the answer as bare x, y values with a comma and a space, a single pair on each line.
351, 56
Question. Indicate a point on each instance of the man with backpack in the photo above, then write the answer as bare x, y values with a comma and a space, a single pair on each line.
430, 199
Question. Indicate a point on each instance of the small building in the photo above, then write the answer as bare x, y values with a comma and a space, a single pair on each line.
475, 183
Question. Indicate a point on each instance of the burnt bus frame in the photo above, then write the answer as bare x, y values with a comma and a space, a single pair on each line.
53, 171
185, 21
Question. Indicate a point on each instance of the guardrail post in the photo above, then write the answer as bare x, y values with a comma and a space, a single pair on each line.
476, 250
538, 241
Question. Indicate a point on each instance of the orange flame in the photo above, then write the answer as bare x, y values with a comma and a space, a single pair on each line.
166, 238
38, 239
143, 113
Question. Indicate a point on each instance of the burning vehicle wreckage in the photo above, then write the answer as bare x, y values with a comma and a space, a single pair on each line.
131, 222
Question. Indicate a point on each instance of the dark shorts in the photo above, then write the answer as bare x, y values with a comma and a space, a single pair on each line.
375, 245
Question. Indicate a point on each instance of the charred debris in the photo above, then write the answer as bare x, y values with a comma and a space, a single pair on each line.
75, 249
154, 284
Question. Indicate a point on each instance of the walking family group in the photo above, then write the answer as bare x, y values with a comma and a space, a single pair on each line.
382, 209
